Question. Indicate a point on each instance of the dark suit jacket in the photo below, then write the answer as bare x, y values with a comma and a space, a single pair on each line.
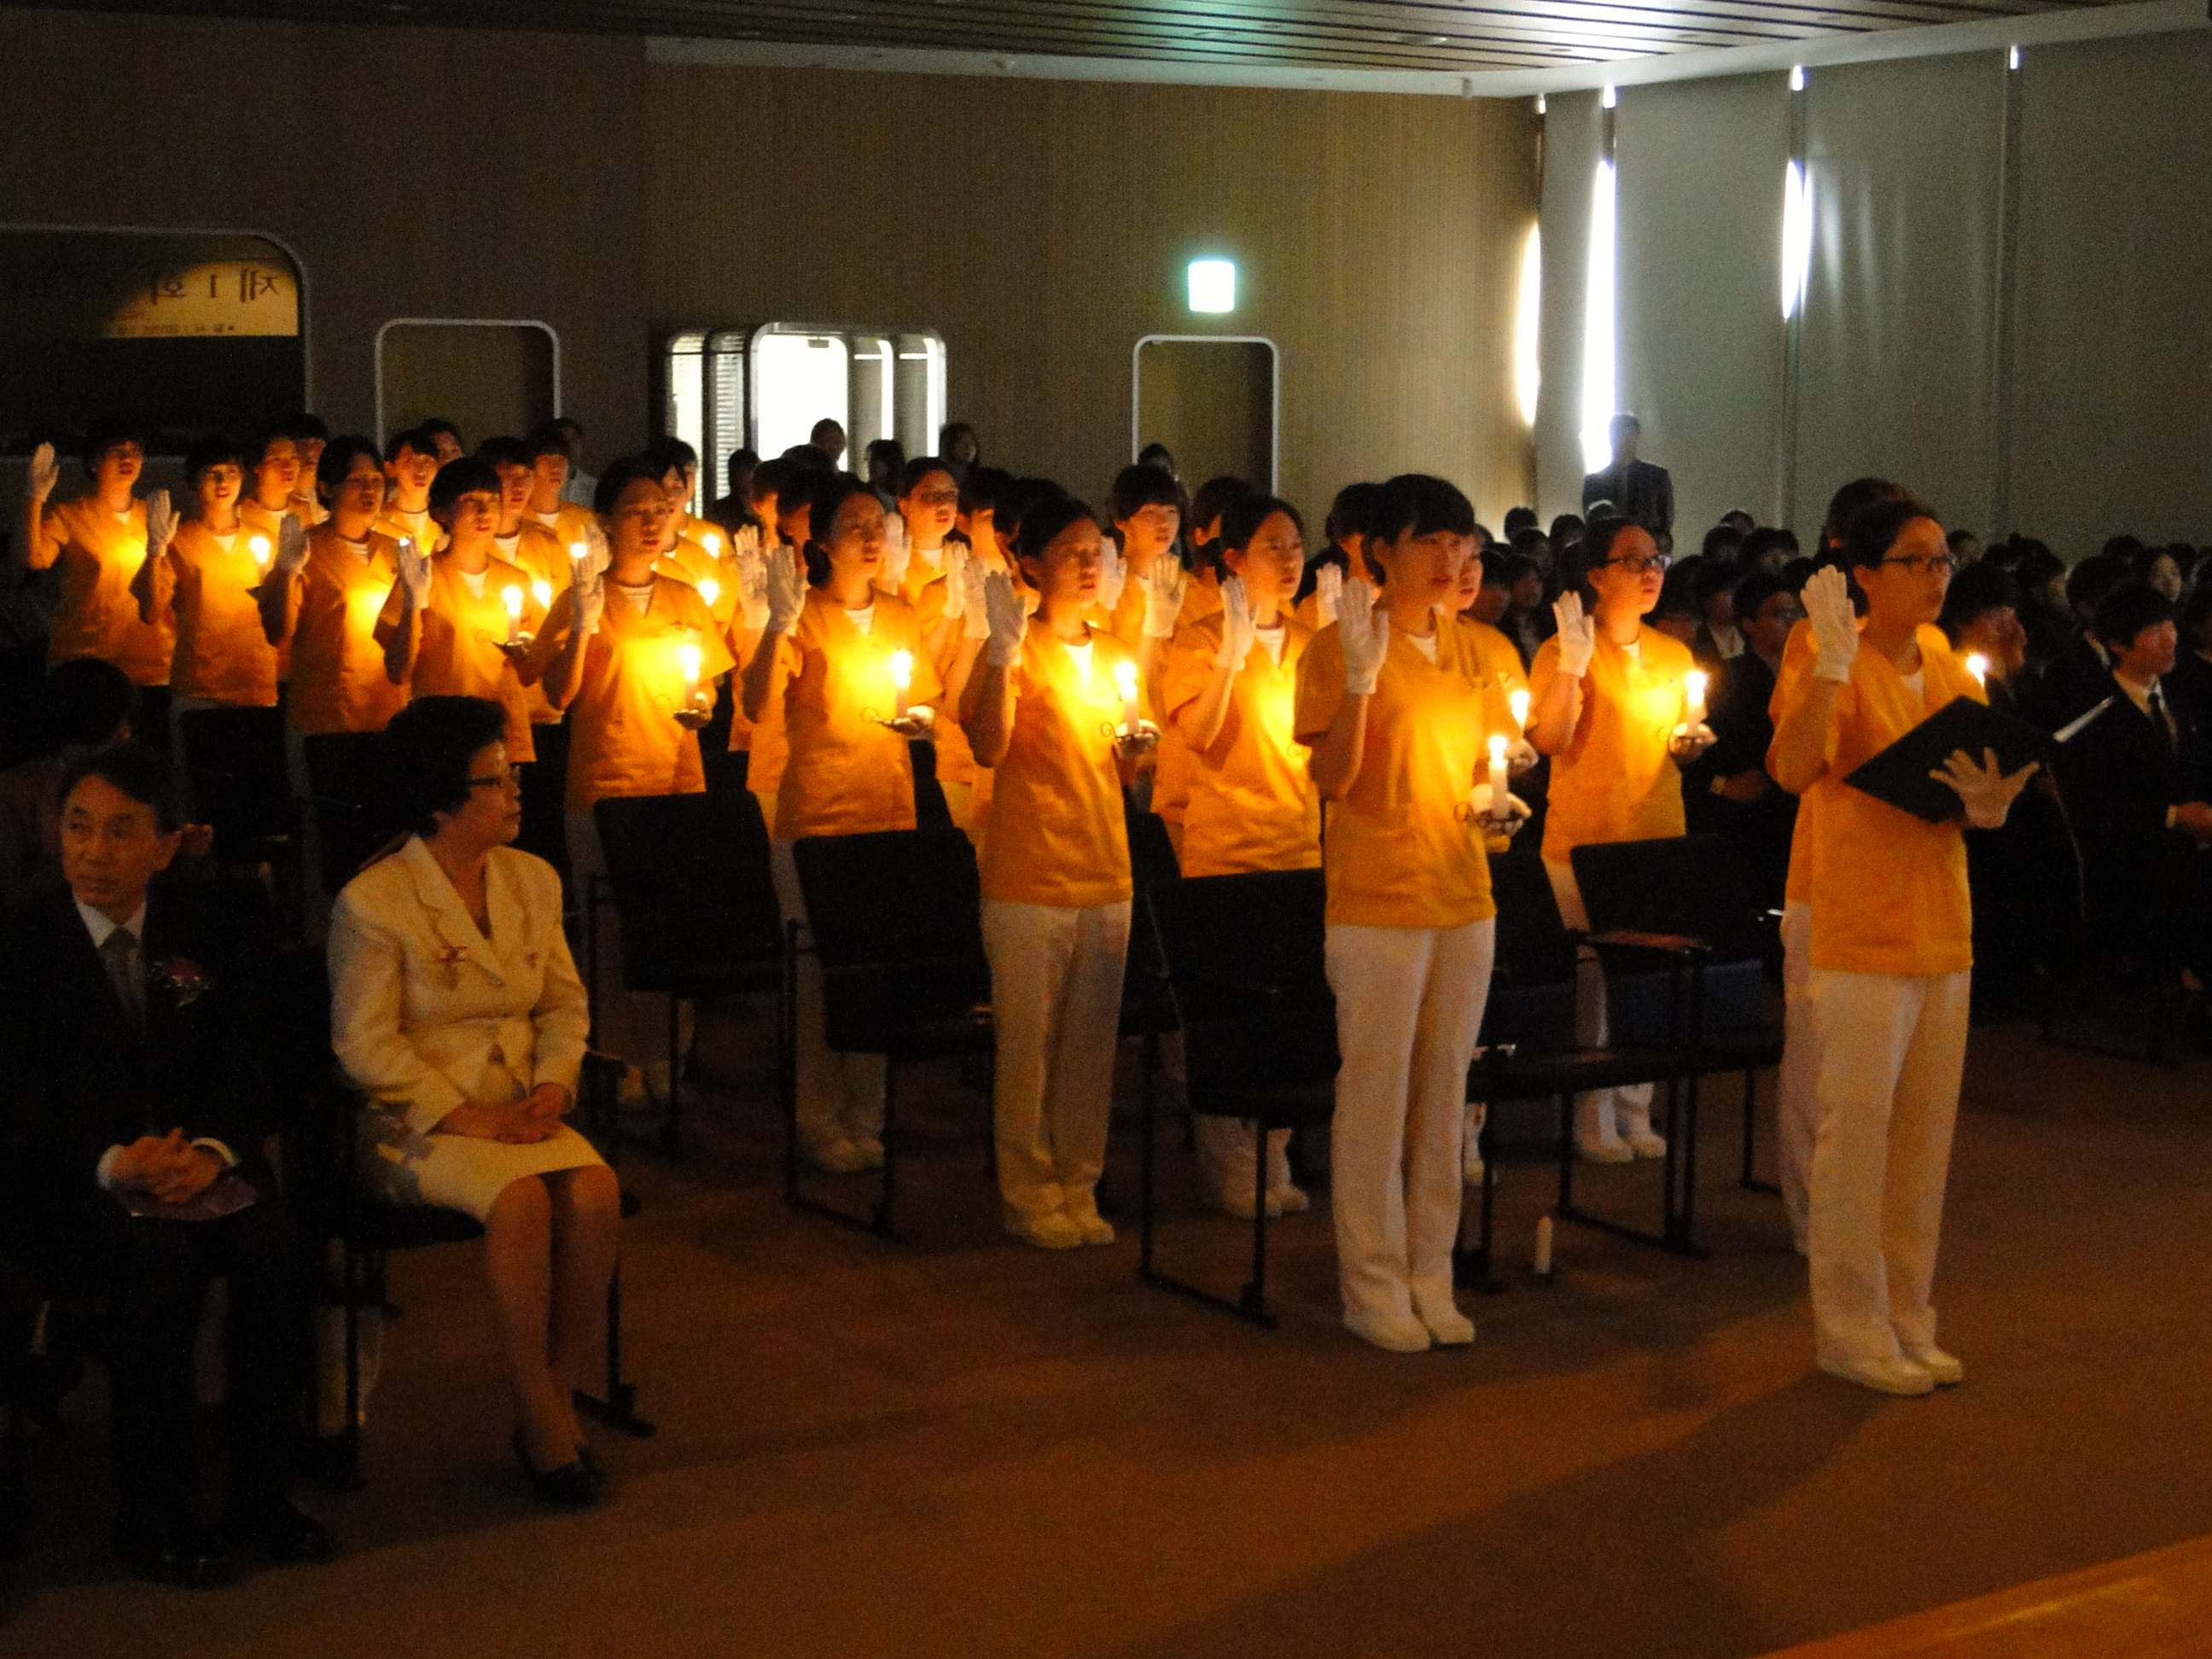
1644, 495
2117, 778
2070, 684
79, 1077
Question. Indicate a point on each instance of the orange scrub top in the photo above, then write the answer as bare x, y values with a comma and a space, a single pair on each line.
459, 654
1888, 890
1615, 780
1500, 663
625, 739
223, 655
1402, 850
98, 616
1055, 834
1249, 801
427, 534
338, 682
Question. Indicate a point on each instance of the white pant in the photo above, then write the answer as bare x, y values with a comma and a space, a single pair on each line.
1797, 1118
1893, 1048
1596, 1111
630, 1024
1056, 1007
1409, 1005
840, 1096
1228, 1153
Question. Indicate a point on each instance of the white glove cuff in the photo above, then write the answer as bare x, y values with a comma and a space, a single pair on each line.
1003, 656
1361, 685
1826, 668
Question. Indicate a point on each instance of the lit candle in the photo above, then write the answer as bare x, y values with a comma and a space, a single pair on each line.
1125, 677
260, 548
1544, 1246
1978, 667
709, 589
512, 596
542, 591
687, 657
1497, 776
713, 543
902, 679
1694, 682
1518, 701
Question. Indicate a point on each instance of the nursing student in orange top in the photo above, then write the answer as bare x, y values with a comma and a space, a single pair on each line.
528, 545
1892, 942
99, 542
547, 452
209, 581
460, 623
1045, 712
410, 461
1231, 684
1199, 597
934, 582
309, 435
613, 652
1390, 706
838, 647
1611, 707
697, 549
1343, 560
272, 461
323, 597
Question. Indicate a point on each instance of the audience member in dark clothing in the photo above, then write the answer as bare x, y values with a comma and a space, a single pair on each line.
2081, 676
2191, 683
1727, 789
83, 704
1640, 492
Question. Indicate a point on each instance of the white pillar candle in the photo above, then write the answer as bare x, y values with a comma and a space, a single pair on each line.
901, 681
1694, 686
1978, 667
512, 596
1497, 776
1544, 1245
542, 591
1125, 677
260, 548
687, 658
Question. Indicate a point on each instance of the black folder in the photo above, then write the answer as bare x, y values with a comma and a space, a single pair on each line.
1900, 774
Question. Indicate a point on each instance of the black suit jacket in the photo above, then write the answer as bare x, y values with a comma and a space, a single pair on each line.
2118, 777
1643, 493
80, 1076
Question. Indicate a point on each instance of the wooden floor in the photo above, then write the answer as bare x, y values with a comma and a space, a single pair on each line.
2154, 1606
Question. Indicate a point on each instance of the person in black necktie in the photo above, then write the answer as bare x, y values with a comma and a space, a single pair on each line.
1640, 492
2134, 780
1727, 789
127, 1030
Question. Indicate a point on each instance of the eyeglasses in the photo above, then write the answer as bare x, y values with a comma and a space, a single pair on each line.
510, 779
1636, 564
1922, 564
936, 497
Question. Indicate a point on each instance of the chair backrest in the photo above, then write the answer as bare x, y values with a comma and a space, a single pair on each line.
1151, 861
1682, 885
726, 769
930, 811
345, 784
235, 766
896, 920
1534, 945
1248, 964
690, 878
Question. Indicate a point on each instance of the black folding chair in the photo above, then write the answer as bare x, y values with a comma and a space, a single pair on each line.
235, 769
930, 809
727, 770
1247, 972
1148, 1010
697, 907
345, 791
897, 921
1689, 888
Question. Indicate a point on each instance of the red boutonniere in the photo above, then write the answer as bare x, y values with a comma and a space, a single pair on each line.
184, 980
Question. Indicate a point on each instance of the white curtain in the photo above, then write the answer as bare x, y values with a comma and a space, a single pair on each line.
1572, 126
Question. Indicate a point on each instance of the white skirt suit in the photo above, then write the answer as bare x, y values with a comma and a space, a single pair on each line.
427, 1014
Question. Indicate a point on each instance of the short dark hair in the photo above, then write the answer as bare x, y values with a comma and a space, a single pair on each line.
109, 432
1242, 518
1018, 498
889, 449
830, 491
141, 771
303, 428
2195, 607
625, 471
83, 703
208, 453
671, 454
1158, 456
1723, 543
773, 477
1566, 528
1750, 594
436, 424
2128, 610
2088, 582
1766, 539
1975, 592
983, 487
457, 478
416, 438
833, 423
919, 467
1518, 519
426, 753
1495, 569
1213, 497
268, 433
1416, 501
1853, 499
1595, 549
1140, 486
548, 438
337, 461
505, 451
1046, 518
1349, 513
1874, 530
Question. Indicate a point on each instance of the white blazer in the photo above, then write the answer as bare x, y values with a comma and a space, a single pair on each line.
425, 1009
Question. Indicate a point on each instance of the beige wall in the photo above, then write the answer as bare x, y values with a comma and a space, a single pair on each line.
1041, 226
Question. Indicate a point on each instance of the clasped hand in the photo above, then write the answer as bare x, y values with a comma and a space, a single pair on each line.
1986, 791
522, 1122
914, 723
1687, 742
169, 1167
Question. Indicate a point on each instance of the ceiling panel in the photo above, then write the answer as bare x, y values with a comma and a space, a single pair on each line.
1445, 35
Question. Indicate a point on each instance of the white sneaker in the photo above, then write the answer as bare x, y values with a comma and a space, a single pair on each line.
1642, 1143
1050, 1230
1450, 1327
1607, 1149
1288, 1200
870, 1151
1944, 1367
1900, 1376
1239, 1203
1470, 1167
1389, 1332
839, 1157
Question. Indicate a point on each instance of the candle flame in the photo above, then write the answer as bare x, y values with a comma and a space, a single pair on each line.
577, 552
709, 589
542, 591
1497, 749
1978, 667
687, 657
260, 546
903, 669
1695, 680
512, 596
1125, 677
713, 543
1518, 701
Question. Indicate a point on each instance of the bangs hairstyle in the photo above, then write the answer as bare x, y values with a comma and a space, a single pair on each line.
1853, 499
1214, 499
140, 771
416, 438
772, 476
426, 753
831, 490
2123, 613
267, 436
458, 478
1874, 530
1242, 518
670, 455
550, 438
212, 451
607, 493
1349, 513
1426, 506
981, 490
1978, 590
1595, 549
505, 451
1045, 519
337, 461
109, 432
920, 467
1138, 487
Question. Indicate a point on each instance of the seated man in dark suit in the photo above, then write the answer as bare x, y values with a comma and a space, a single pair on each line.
128, 1039
2080, 677
2134, 782
1726, 789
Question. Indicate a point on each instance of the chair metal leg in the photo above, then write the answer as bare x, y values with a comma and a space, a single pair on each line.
1252, 1301
1566, 1204
1250, 1304
787, 1061
352, 1287
887, 1200
618, 1408
1146, 1154
671, 1122
1750, 1180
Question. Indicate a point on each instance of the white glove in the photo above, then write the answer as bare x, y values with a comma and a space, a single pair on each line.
1008, 620
291, 546
1163, 582
1986, 793
161, 524
1577, 634
1238, 633
1113, 575
1827, 599
589, 596
787, 589
596, 549
955, 579
898, 550
975, 606
1328, 592
751, 572
1365, 632
414, 573
45, 472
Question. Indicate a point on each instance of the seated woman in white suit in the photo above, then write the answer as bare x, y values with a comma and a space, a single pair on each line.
458, 1008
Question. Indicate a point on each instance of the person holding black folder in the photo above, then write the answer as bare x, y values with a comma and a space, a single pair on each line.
1891, 948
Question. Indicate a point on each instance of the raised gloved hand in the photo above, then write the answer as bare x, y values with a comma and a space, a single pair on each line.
898, 551
956, 580
1365, 632
1007, 619
589, 596
1163, 582
975, 609
787, 589
45, 472
1237, 630
1577, 634
291, 546
1827, 601
1985, 791
749, 567
1328, 592
414, 573
1113, 575
596, 549
161, 524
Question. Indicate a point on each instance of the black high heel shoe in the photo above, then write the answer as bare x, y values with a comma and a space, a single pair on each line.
572, 1486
